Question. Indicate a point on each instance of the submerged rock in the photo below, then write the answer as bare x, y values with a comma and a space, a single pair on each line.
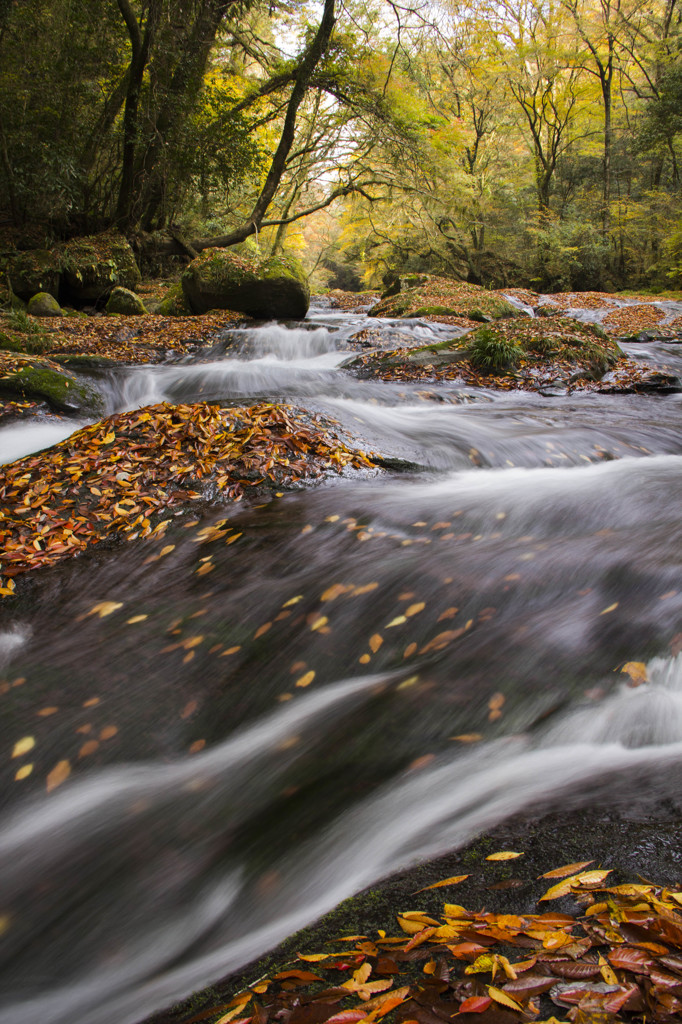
267, 289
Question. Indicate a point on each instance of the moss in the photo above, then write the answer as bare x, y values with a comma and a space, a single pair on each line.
124, 302
93, 266
63, 392
439, 296
267, 289
37, 270
44, 304
174, 303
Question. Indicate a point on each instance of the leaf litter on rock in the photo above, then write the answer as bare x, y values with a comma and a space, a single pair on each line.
617, 958
112, 478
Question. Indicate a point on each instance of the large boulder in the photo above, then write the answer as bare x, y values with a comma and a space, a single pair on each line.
125, 303
94, 266
34, 271
267, 289
44, 304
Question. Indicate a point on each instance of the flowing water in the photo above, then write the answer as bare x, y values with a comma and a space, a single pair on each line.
375, 670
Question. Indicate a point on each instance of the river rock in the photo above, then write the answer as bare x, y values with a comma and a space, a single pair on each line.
174, 303
34, 271
63, 392
94, 266
125, 303
267, 289
44, 304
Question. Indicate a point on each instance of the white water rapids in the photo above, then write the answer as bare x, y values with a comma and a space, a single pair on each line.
228, 798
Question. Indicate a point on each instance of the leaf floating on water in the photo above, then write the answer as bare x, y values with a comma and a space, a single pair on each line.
59, 774
415, 609
105, 608
375, 642
468, 737
504, 855
398, 621
611, 608
319, 623
136, 618
23, 746
23, 772
637, 671
306, 679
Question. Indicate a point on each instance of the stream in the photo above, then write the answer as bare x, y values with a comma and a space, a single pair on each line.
376, 669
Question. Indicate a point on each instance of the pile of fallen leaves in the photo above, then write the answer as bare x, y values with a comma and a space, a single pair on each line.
111, 477
139, 339
618, 957
350, 301
443, 296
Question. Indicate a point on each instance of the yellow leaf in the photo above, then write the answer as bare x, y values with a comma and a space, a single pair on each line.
24, 772
574, 882
105, 608
375, 642
607, 972
398, 621
234, 1011
306, 680
136, 618
468, 737
414, 609
455, 880
567, 869
610, 608
319, 623
59, 774
504, 855
637, 672
502, 998
313, 958
108, 438
482, 964
23, 746
293, 600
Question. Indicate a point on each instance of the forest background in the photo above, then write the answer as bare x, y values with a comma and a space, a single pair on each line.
533, 142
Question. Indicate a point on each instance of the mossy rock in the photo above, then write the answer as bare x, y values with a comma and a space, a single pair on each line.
44, 304
94, 266
267, 289
440, 296
30, 344
174, 303
37, 270
60, 389
125, 303
84, 361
